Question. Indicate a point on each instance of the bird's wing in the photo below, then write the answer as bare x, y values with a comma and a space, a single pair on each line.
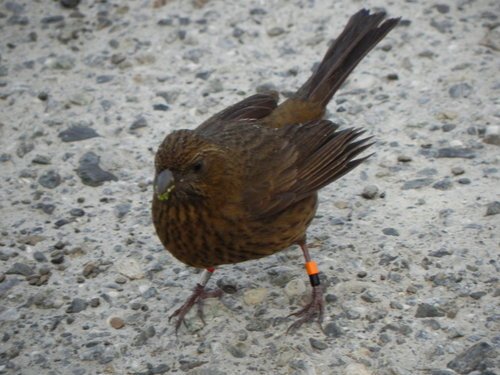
291, 163
254, 107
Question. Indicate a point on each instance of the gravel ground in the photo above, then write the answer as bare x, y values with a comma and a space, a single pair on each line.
408, 242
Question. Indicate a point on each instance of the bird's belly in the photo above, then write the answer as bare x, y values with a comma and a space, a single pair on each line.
203, 238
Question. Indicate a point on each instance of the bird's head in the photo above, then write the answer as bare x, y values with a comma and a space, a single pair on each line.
188, 167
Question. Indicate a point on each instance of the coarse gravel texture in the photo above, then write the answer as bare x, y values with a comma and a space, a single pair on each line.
408, 243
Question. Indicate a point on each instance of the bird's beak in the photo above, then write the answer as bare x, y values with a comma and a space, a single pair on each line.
164, 184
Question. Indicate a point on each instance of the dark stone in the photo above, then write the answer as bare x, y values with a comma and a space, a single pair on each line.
77, 133
333, 330
390, 232
39, 256
161, 107
425, 310
442, 8
464, 181
443, 185
50, 179
448, 127
140, 122
91, 173
24, 148
104, 79
41, 159
477, 295
46, 208
493, 208
317, 344
20, 269
76, 306
471, 359
451, 152
52, 19
77, 212
70, 3
460, 90
417, 183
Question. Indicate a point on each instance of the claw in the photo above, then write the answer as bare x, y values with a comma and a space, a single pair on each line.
199, 294
315, 308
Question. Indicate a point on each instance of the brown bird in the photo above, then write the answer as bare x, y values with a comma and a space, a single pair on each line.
243, 184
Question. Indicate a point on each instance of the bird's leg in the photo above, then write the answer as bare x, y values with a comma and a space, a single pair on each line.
197, 297
316, 307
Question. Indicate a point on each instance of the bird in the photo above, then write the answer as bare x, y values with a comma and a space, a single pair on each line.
244, 184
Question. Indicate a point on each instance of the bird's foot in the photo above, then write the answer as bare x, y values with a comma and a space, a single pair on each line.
313, 311
199, 294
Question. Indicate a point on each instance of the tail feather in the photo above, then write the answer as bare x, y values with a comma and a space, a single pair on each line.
361, 34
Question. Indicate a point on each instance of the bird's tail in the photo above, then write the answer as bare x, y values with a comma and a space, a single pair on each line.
360, 35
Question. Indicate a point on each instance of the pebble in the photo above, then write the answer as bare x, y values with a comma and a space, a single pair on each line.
460, 90
426, 310
255, 296
20, 269
116, 322
473, 358
77, 305
130, 268
333, 330
50, 179
317, 344
493, 208
457, 171
77, 133
370, 192
390, 232
445, 184
70, 3
492, 135
417, 183
91, 173
139, 122
453, 152
122, 209
295, 287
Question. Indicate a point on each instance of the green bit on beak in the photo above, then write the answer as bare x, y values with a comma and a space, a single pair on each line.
165, 195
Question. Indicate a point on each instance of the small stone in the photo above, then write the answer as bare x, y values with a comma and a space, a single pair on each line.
95, 302
41, 159
70, 3
442, 8
492, 135
417, 183
457, 171
57, 257
60, 62
275, 31
39, 256
116, 323
254, 296
317, 344
426, 310
161, 107
370, 192
445, 184
471, 359
357, 369
370, 297
295, 287
333, 330
130, 268
91, 173
140, 122
52, 19
77, 133
448, 127
77, 305
390, 232
50, 179
237, 351
493, 208
453, 152
120, 280
24, 148
20, 269
122, 209
104, 79
404, 158
77, 212
464, 181
460, 90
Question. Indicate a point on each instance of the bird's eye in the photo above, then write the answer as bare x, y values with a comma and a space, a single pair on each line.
197, 166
